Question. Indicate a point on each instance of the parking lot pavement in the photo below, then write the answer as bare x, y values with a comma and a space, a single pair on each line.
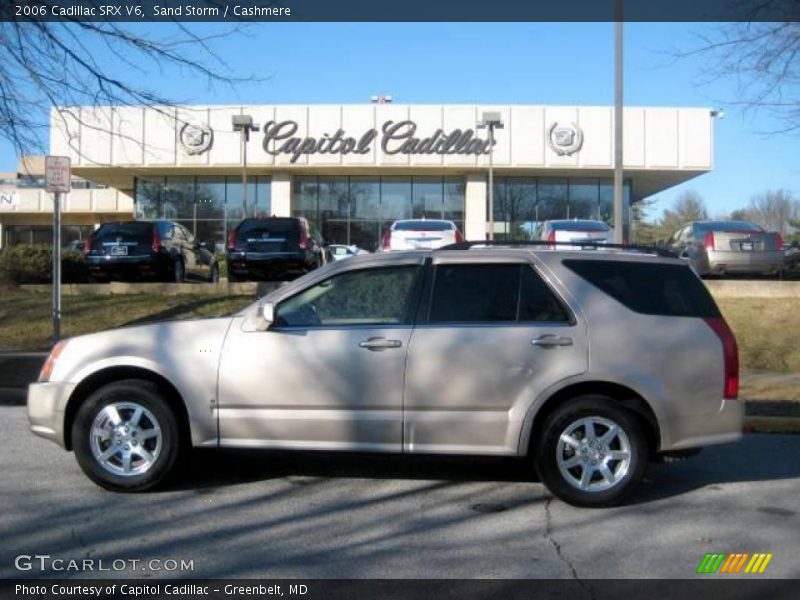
322, 516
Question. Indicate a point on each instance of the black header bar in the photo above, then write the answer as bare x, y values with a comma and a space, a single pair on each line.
277, 11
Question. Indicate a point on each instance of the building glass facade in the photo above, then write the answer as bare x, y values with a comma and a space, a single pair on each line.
357, 210
201, 203
521, 203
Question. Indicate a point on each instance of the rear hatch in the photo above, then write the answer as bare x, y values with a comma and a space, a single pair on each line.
581, 231
122, 239
421, 235
268, 236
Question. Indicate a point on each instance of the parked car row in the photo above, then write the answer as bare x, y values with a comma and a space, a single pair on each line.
287, 247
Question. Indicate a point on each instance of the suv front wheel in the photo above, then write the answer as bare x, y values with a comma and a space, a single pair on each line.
126, 437
591, 452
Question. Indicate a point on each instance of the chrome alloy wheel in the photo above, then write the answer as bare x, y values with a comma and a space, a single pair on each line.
593, 454
125, 439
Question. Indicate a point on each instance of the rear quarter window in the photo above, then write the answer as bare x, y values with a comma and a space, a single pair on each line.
649, 288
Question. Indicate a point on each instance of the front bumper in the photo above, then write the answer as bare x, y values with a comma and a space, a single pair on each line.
47, 403
721, 427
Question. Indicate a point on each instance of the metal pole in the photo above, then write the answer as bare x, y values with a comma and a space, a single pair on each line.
56, 267
619, 236
244, 172
491, 181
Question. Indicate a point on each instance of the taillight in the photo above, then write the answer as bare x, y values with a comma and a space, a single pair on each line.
459, 237
730, 353
47, 368
551, 237
232, 240
778, 242
708, 240
303, 238
156, 239
386, 241
87, 245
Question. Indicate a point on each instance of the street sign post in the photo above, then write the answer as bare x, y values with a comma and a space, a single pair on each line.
57, 179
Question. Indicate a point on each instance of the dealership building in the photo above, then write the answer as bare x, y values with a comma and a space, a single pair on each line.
353, 169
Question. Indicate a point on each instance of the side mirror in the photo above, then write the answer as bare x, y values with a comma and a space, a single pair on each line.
268, 312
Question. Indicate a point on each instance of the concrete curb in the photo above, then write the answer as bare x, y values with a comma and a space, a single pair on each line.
772, 425
244, 288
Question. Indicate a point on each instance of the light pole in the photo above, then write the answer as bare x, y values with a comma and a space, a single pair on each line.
491, 121
619, 237
244, 125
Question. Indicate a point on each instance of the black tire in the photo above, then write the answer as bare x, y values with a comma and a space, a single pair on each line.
213, 276
548, 447
166, 452
178, 272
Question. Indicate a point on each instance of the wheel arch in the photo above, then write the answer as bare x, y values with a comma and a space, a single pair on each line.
107, 375
620, 393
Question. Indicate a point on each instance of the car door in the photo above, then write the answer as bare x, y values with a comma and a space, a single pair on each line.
490, 340
328, 373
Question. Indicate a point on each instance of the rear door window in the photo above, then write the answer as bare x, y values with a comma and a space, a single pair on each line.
649, 288
493, 293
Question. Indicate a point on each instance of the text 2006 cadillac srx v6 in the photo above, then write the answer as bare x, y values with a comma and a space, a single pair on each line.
588, 362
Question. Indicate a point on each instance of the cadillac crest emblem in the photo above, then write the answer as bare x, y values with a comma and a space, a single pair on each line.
196, 138
565, 140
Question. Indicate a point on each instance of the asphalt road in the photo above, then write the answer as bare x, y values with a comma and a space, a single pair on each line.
281, 516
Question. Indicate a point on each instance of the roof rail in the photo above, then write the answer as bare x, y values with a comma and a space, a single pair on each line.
584, 245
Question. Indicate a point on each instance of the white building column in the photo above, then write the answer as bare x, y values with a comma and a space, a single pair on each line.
281, 195
475, 207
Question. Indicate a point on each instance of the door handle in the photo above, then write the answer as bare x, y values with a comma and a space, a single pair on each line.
551, 341
376, 344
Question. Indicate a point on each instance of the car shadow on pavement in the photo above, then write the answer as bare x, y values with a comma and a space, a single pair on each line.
758, 457
210, 468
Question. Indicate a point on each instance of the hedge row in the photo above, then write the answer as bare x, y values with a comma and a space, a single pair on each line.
34, 264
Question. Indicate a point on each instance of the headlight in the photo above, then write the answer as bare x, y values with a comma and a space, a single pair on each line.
47, 368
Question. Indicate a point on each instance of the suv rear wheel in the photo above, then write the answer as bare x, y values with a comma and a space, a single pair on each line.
591, 452
126, 437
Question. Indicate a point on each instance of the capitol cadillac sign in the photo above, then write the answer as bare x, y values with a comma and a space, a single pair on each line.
396, 137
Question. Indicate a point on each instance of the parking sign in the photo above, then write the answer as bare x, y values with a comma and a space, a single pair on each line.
56, 174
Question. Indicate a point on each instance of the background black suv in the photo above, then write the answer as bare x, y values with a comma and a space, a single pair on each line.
160, 250
273, 247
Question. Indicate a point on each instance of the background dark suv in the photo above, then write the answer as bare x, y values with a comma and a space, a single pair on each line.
160, 250
273, 247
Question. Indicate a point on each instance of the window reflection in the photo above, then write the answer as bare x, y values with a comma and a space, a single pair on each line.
202, 203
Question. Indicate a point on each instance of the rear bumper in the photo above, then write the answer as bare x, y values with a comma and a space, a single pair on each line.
47, 403
745, 262
139, 267
720, 427
267, 265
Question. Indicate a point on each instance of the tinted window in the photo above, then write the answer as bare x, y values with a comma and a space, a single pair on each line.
579, 226
364, 297
257, 226
140, 232
653, 289
537, 303
475, 293
732, 226
423, 226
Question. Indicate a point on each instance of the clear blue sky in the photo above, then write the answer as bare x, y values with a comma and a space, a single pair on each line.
530, 63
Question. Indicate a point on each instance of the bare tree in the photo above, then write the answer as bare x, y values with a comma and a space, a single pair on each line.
764, 61
688, 206
80, 63
775, 210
